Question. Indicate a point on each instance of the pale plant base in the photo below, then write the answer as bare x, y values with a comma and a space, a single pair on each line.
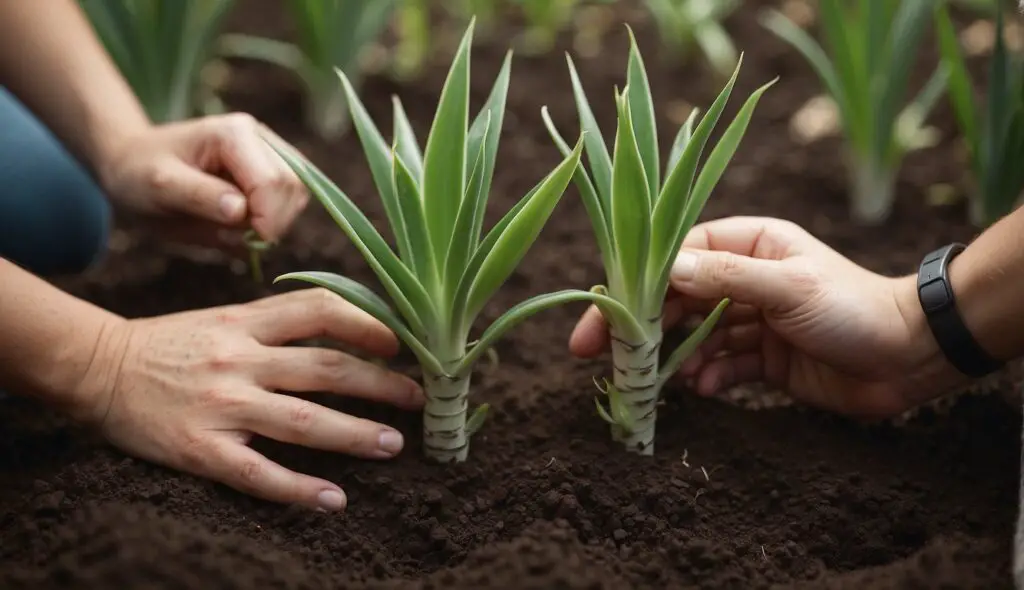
873, 191
445, 439
636, 379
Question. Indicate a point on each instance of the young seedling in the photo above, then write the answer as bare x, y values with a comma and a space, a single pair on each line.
687, 23
331, 34
162, 49
444, 273
640, 220
872, 45
995, 136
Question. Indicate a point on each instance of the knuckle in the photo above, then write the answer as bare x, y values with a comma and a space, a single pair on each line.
250, 473
363, 438
159, 178
725, 267
229, 315
301, 417
241, 122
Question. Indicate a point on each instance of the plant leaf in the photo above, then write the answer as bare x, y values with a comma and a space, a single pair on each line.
641, 109
682, 139
463, 245
486, 132
631, 207
532, 306
477, 419
444, 167
689, 346
597, 150
368, 301
411, 203
401, 284
603, 413
517, 237
405, 143
591, 202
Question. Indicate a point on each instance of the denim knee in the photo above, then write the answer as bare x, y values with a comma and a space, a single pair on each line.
54, 218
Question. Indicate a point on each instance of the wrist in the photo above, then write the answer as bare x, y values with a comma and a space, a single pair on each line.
928, 372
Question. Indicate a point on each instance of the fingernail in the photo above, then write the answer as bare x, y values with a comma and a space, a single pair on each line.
331, 500
232, 206
684, 266
390, 441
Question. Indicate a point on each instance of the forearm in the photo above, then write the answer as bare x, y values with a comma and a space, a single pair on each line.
49, 341
52, 60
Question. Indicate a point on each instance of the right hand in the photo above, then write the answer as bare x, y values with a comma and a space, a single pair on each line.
189, 391
803, 318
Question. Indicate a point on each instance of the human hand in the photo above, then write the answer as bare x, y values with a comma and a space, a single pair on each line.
189, 391
804, 318
206, 181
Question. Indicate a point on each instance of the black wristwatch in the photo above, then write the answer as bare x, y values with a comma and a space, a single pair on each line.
939, 304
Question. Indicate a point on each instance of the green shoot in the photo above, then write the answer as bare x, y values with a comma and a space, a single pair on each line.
446, 268
163, 50
640, 219
545, 19
413, 30
331, 34
995, 135
685, 23
872, 45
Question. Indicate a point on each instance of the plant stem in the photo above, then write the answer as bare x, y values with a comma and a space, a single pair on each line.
636, 378
327, 112
444, 418
873, 184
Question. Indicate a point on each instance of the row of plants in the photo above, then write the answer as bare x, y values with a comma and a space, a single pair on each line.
446, 267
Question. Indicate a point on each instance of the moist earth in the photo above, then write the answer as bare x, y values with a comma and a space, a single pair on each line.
783, 497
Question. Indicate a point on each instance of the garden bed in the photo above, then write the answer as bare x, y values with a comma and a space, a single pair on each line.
782, 497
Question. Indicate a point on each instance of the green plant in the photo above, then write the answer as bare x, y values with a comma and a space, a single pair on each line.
413, 30
545, 19
640, 220
994, 136
444, 273
685, 23
331, 34
872, 45
162, 49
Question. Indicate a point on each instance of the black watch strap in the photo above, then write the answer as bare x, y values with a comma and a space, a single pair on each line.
939, 304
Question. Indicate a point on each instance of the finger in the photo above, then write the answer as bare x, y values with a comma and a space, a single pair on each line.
763, 283
296, 421
188, 190
325, 370
273, 189
590, 336
729, 371
758, 237
249, 472
319, 313
732, 339
695, 310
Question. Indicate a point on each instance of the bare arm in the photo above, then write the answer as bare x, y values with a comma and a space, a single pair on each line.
52, 60
50, 340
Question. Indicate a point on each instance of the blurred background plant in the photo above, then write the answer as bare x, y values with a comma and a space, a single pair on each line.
689, 24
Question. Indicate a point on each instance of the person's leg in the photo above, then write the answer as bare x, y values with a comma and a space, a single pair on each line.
54, 219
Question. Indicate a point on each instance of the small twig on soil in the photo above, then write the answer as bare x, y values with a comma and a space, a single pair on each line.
686, 453
763, 554
550, 463
697, 495
705, 471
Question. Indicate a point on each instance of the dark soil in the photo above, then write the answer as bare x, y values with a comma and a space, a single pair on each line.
733, 498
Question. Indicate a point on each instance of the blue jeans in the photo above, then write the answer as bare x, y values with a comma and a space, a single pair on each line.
54, 219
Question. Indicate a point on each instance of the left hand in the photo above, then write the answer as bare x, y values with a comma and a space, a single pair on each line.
206, 181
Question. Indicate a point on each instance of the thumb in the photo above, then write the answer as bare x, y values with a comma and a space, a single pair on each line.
194, 192
762, 283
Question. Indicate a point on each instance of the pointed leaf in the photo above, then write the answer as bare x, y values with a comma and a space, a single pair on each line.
603, 413
489, 120
520, 234
444, 167
405, 142
368, 301
641, 108
671, 205
689, 346
592, 203
411, 203
401, 284
961, 87
378, 156
631, 209
463, 243
477, 419
682, 140
525, 309
620, 412
597, 151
